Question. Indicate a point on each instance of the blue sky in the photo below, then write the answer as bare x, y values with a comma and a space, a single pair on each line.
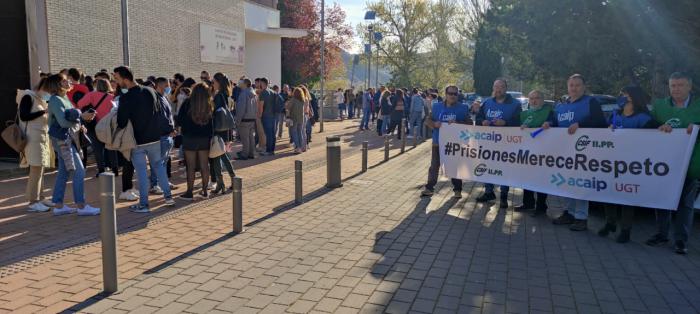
355, 10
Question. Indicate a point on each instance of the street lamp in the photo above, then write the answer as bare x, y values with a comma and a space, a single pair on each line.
377, 38
369, 16
323, 63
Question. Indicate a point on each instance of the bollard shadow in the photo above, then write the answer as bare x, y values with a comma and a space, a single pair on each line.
77, 308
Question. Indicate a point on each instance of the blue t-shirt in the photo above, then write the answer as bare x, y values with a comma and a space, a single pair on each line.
442, 113
636, 121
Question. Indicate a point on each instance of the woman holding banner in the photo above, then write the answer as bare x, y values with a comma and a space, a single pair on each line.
578, 111
633, 114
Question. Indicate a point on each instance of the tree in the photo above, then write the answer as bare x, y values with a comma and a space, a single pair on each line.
301, 57
405, 25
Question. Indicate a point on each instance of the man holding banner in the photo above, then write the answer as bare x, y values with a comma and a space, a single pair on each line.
579, 111
500, 110
450, 111
680, 110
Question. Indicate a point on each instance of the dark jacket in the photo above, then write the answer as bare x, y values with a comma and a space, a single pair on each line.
189, 128
139, 107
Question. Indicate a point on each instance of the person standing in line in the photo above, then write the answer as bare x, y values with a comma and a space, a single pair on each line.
99, 102
312, 114
499, 110
78, 90
417, 111
448, 112
385, 109
284, 97
350, 100
139, 106
340, 100
259, 130
578, 111
196, 122
680, 110
397, 113
63, 133
538, 113
295, 108
366, 109
267, 102
163, 91
36, 156
222, 88
246, 114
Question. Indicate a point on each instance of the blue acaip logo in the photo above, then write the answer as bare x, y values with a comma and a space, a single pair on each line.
465, 135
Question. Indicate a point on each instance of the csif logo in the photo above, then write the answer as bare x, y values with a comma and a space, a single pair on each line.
584, 141
482, 169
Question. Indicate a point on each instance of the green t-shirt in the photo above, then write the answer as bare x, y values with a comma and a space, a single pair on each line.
664, 112
534, 118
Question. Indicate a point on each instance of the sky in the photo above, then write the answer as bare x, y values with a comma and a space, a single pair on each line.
355, 11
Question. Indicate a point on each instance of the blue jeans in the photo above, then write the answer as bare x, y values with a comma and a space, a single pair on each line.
298, 136
59, 188
386, 119
138, 158
269, 129
166, 144
309, 129
684, 214
415, 122
365, 118
351, 111
579, 207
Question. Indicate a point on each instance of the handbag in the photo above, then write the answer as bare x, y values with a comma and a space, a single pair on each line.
289, 122
223, 120
217, 147
13, 134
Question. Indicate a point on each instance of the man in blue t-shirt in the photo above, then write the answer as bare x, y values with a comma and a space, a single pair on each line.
499, 111
450, 112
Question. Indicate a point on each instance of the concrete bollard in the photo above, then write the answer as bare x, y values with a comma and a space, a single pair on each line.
237, 196
108, 233
386, 148
298, 191
333, 176
364, 155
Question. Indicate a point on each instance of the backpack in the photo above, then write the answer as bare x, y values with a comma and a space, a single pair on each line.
165, 123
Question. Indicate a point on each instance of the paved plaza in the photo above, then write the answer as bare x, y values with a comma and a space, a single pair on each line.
373, 245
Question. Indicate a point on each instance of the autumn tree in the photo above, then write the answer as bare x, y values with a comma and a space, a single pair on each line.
301, 57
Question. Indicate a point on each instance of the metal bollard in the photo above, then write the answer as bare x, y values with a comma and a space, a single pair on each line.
364, 156
237, 196
108, 233
386, 148
333, 177
298, 192
402, 128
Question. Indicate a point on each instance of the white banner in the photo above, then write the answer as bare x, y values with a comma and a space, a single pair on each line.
624, 166
221, 45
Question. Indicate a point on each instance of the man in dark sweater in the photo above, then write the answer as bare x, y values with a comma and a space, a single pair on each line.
139, 105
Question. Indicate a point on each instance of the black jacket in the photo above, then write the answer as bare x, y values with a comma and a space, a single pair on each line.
139, 107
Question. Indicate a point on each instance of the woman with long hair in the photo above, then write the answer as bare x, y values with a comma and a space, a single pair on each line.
222, 93
385, 109
195, 119
62, 131
308, 116
36, 156
397, 114
99, 102
295, 110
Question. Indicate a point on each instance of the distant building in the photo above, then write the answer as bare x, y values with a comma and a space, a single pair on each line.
164, 37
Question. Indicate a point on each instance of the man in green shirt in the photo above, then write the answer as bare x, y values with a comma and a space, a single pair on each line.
534, 117
681, 110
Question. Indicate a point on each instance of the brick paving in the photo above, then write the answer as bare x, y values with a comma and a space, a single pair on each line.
61, 274
375, 246
371, 246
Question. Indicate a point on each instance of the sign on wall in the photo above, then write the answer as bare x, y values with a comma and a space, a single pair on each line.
625, 166
221, 45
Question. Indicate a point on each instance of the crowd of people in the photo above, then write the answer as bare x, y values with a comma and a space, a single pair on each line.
680, 110
132, 125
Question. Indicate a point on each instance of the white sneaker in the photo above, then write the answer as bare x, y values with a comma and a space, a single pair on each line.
65, 210
128, 196
169, 202
38, 207
211, 186
135, 192
88, 211
156, 190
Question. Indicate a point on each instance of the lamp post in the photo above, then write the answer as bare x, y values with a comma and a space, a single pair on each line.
323, 64
369, 16
377, 38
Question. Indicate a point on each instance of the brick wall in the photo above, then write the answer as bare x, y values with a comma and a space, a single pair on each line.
164, 34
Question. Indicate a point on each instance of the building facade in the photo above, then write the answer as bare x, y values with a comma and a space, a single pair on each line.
153, 37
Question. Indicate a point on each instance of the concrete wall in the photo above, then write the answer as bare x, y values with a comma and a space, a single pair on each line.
164, 34
263, 56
